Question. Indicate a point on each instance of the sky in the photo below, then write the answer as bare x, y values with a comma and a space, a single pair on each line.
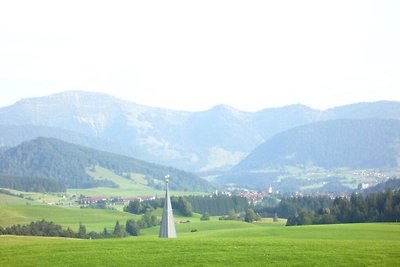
192, 55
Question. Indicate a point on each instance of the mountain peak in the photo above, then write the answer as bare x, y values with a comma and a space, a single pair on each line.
292, 107
223, 107
70, 97
226, 110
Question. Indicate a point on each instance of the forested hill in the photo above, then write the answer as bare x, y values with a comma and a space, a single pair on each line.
370, 143
66, 162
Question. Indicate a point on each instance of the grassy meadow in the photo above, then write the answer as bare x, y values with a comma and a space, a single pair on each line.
218, 243
199, 243
15, 210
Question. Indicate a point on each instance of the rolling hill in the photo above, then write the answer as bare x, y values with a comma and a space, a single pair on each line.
71, 164
214, 139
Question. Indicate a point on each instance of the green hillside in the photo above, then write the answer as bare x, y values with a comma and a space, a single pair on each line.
68, 163
134, 184
129, 185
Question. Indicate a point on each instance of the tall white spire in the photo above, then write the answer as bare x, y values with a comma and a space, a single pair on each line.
167, 228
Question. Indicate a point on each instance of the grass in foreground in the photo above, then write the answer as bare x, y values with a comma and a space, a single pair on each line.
362, 245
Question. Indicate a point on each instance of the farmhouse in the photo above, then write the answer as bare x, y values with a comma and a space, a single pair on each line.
139, 198
91, 200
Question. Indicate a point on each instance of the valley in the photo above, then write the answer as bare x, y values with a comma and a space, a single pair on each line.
199, 133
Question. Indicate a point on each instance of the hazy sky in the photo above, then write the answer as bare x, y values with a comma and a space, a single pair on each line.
192, 55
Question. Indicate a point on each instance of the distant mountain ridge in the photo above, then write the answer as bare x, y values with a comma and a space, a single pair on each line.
215, 139
326, 156
12, 135
68, 163
356, 143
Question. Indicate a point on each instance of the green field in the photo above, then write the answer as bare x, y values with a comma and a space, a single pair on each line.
15, 210
214, 242
218, 243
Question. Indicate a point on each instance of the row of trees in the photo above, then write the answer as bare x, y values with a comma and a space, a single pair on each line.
178, 203
46, 228
218, 204
6, 192
212, 205
39, 228
374, 207
249, 216
291, 206
50, 229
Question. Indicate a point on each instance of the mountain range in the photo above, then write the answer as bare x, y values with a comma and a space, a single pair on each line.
213, 140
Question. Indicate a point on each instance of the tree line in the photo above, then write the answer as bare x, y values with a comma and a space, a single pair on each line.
212, 205
42, 228
179, 204
51, 229
6, 192
374, 207
218, 204
291, 205
249, 216
32, 184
